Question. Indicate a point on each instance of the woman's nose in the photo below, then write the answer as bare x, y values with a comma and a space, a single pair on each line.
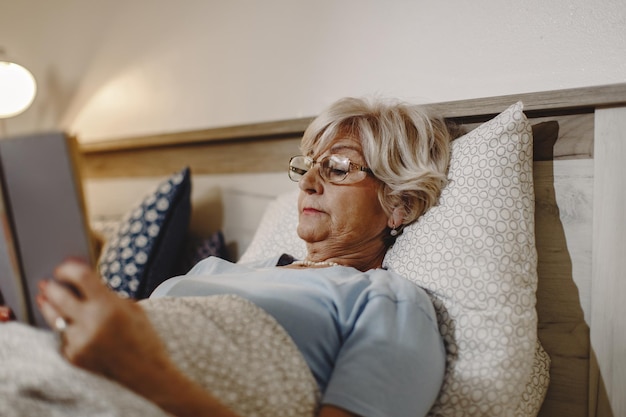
311, 182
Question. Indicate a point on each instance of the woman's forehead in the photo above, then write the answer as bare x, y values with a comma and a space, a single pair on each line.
342, 144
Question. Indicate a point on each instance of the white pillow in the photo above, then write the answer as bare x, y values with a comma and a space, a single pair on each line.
277, 232
474, 253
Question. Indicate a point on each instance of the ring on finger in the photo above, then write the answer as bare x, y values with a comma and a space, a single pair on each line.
60, 324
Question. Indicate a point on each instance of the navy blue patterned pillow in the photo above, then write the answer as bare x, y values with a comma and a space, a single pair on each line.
149, 243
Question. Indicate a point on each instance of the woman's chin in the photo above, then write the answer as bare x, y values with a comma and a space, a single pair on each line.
310, 234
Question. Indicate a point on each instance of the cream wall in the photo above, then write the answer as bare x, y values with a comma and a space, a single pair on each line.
146, 66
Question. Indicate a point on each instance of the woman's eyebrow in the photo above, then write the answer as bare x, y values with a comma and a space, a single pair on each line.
341, 147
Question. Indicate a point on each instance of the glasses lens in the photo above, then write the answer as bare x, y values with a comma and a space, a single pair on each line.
335, 168
298, 166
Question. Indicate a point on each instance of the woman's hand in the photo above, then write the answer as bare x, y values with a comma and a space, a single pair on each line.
105, 334
113, 337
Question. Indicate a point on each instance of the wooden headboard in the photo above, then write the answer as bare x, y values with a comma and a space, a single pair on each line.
580, 189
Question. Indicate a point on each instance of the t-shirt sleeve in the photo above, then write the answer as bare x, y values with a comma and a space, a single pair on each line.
391, 363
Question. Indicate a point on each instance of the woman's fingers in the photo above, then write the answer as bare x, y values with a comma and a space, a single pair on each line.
74, 284
80, 278
48, 311
61, 298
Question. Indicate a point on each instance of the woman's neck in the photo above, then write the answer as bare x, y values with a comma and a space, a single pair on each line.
363, 260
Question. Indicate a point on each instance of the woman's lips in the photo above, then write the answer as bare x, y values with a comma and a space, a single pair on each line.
311, 210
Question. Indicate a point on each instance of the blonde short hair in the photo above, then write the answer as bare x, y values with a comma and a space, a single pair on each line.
406, 148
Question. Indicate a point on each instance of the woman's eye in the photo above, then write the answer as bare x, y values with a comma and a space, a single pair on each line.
337, 173
299, 171
335, 165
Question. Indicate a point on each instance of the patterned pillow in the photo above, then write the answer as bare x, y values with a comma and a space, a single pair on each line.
147, 246
277, 232
475, 254
198, 248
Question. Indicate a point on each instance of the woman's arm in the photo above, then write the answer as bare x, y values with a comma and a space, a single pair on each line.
113, 337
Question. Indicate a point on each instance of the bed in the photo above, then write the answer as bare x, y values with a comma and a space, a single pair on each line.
579, 217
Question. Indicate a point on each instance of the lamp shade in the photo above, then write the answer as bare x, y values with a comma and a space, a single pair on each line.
17, 89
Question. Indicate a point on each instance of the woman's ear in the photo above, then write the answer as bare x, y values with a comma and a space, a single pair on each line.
396, 219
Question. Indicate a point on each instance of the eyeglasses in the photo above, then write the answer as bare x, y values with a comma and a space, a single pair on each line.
335, 169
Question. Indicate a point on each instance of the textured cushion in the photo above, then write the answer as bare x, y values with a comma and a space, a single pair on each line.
198, 248
146, 248
475, 255
277, 231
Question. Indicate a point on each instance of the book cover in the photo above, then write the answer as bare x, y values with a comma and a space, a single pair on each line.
11, 278
44, 195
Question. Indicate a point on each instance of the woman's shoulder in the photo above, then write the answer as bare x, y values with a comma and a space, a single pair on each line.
390, 282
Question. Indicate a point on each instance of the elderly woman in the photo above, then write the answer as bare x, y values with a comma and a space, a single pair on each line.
369, 337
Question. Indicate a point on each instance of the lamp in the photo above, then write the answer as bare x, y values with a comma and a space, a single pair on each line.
17, 88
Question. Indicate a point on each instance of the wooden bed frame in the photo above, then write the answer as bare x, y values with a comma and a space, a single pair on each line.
580, 188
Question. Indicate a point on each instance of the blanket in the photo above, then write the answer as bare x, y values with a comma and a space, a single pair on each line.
227, 344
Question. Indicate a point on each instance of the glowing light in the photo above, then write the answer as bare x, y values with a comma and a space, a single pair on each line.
17, 89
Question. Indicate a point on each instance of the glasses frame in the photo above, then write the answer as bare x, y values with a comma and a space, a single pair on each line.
325, 169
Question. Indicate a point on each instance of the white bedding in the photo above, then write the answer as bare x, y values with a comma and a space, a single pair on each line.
225, 343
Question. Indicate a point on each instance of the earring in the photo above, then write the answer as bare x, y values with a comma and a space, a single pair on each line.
393, 232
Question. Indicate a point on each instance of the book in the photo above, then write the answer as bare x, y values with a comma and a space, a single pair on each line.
11, 281
43, 214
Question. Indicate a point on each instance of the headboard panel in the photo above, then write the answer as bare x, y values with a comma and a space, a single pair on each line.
569, 239
270, 144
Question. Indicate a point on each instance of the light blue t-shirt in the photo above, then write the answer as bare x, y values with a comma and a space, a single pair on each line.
370, 338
